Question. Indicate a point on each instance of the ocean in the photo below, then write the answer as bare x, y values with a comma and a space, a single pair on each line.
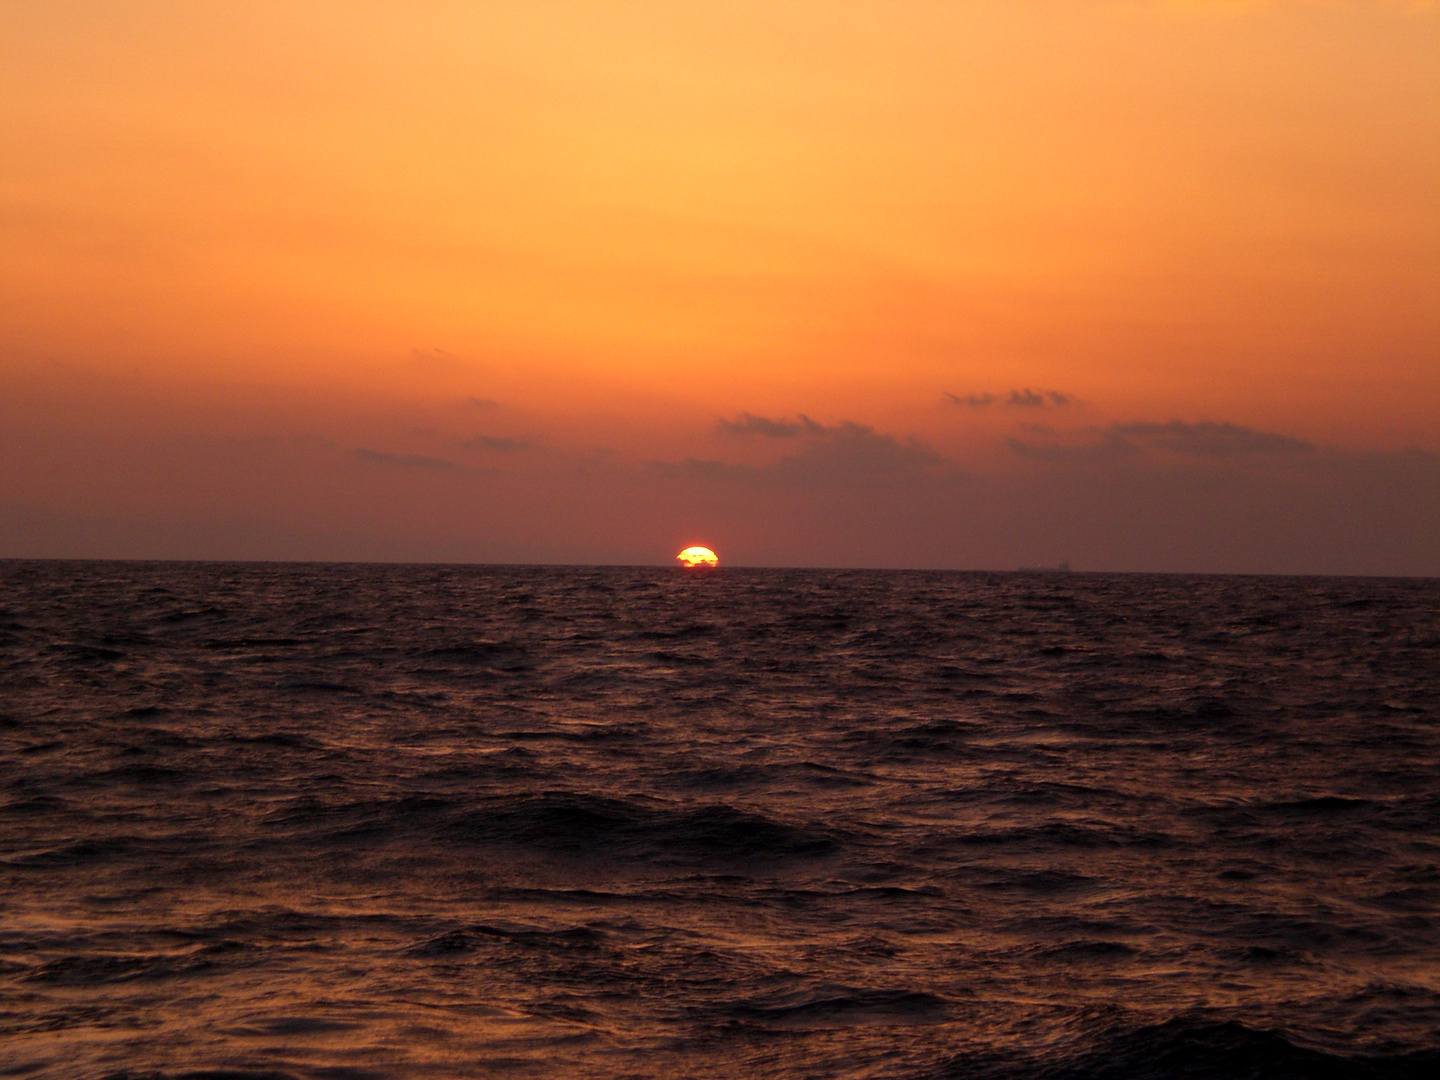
371, 821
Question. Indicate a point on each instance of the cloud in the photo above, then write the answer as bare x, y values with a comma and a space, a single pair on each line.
1102, 495
1112, 447
1019, 399
406, 461
1204, 439
748, 424
842, 455
498, 443
851, 452
709, 469
1033, 399
481, 402
1210, 439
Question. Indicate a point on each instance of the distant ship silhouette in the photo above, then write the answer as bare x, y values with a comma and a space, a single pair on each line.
1063, 568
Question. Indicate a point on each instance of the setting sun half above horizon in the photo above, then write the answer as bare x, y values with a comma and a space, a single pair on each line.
698, 558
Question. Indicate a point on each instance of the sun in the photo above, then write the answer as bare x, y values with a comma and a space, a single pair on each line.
695, 558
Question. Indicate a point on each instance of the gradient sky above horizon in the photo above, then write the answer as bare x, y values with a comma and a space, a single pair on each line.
1142, 285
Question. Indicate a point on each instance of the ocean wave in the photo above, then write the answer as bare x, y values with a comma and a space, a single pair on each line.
322, 821
1184, 1049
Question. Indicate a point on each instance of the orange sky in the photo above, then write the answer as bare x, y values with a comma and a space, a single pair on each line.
615, 225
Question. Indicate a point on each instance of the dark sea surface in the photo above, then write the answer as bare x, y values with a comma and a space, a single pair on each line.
343, 821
